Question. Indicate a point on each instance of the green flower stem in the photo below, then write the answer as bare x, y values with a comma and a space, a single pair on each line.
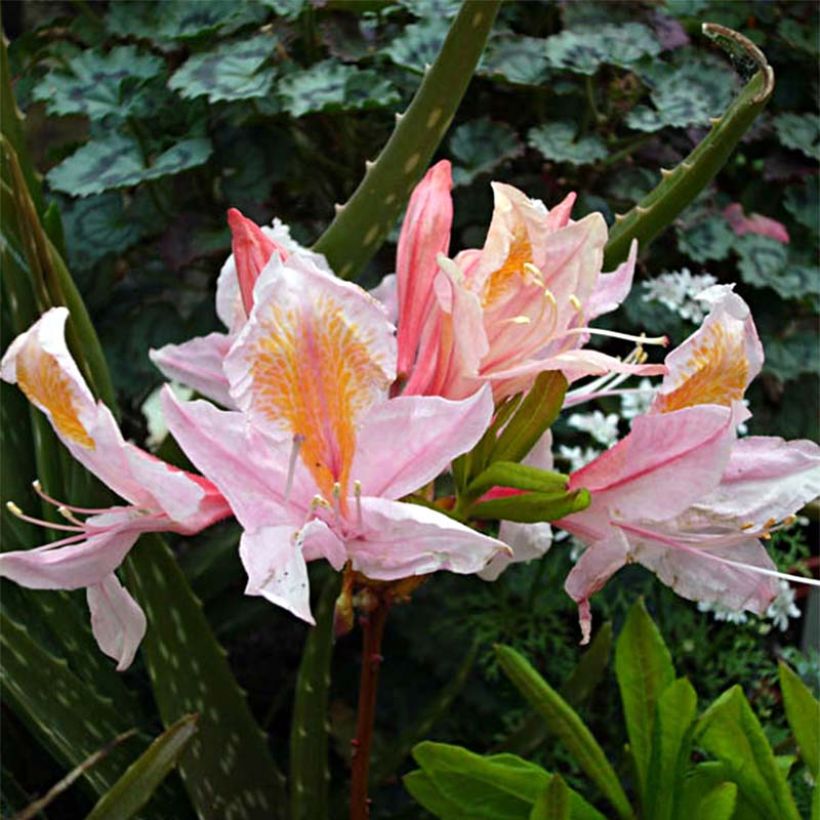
363, 223
680, 186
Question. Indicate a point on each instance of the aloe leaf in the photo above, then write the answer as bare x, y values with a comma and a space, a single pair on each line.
135, 788
643, 667
680, 186
391, 759
363, 223
553, 803
309, 775
189, 673
36, 807
731, 732
564, 722
803, 714
576, 690
671, 748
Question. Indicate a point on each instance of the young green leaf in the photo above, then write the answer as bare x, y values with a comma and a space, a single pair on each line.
425, 792
565, 723
135, 788
731, 732
803, 714
553, 802
530, 508
362, 224
643, 667
671, 748
718, 803
309, 775
517, 476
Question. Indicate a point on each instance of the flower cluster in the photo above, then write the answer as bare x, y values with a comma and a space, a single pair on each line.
330, 412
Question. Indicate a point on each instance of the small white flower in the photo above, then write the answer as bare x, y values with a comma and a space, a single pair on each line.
678, 291
783, 607
154, 417
722, 613
604, 429
637, 403
578, 456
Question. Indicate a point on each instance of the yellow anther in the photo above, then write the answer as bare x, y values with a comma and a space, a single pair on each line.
576, 302
519, 320
550, 297
748, 525
14, 509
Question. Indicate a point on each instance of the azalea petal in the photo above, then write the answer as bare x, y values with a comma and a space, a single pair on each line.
198, 364
756, 224
319, 541
664, 465
527, 542
612, 288
386, 292
718, 361
425, 233
397, 540
76, 565
427, 433
249, 468
117, 621
599, 562
272, 557
314, 356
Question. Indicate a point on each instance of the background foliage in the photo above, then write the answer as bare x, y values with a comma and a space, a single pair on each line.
150, 119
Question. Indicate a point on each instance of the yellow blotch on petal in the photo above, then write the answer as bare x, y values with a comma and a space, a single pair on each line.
314, 371
717, 372
518, 257
44, 383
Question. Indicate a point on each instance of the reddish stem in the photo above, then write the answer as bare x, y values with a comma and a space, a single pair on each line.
372, 631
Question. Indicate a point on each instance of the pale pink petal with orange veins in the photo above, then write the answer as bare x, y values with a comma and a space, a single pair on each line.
276, 568
612, 288
249, 468
396, 540
558, 216
318, 540
718, 361
198, 364
117, 621
425, 434
425, 233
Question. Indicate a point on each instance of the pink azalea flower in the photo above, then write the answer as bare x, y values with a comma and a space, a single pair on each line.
680, 494
317, 457
503, 314
198, 362
160, 497
756, 223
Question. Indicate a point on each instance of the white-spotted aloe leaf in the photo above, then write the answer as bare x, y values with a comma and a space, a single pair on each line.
680, 186
363, 223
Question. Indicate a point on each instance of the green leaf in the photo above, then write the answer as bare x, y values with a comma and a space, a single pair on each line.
419, 44
334, 86
718, 803
792, 354
802, 202
135, 788
564, 722
516, 59
99, 84
363, 223
479, 146
309, 773
518, 476
232, 71
584, 49
764, 262
553, 802
189, 673
643, 667
708, 239
462, 784
116, 161
671, 748
799, 131
532, 418
679, 187
730, 731
531, 508
803, 714
558, 141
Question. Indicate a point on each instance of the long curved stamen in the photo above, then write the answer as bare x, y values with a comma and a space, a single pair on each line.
337, 502
38, 488
663, 341
18, 513
66, 513
357, 491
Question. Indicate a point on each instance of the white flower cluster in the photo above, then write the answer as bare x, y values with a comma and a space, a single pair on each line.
781, 609
602, 429
678, 291
637, 401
